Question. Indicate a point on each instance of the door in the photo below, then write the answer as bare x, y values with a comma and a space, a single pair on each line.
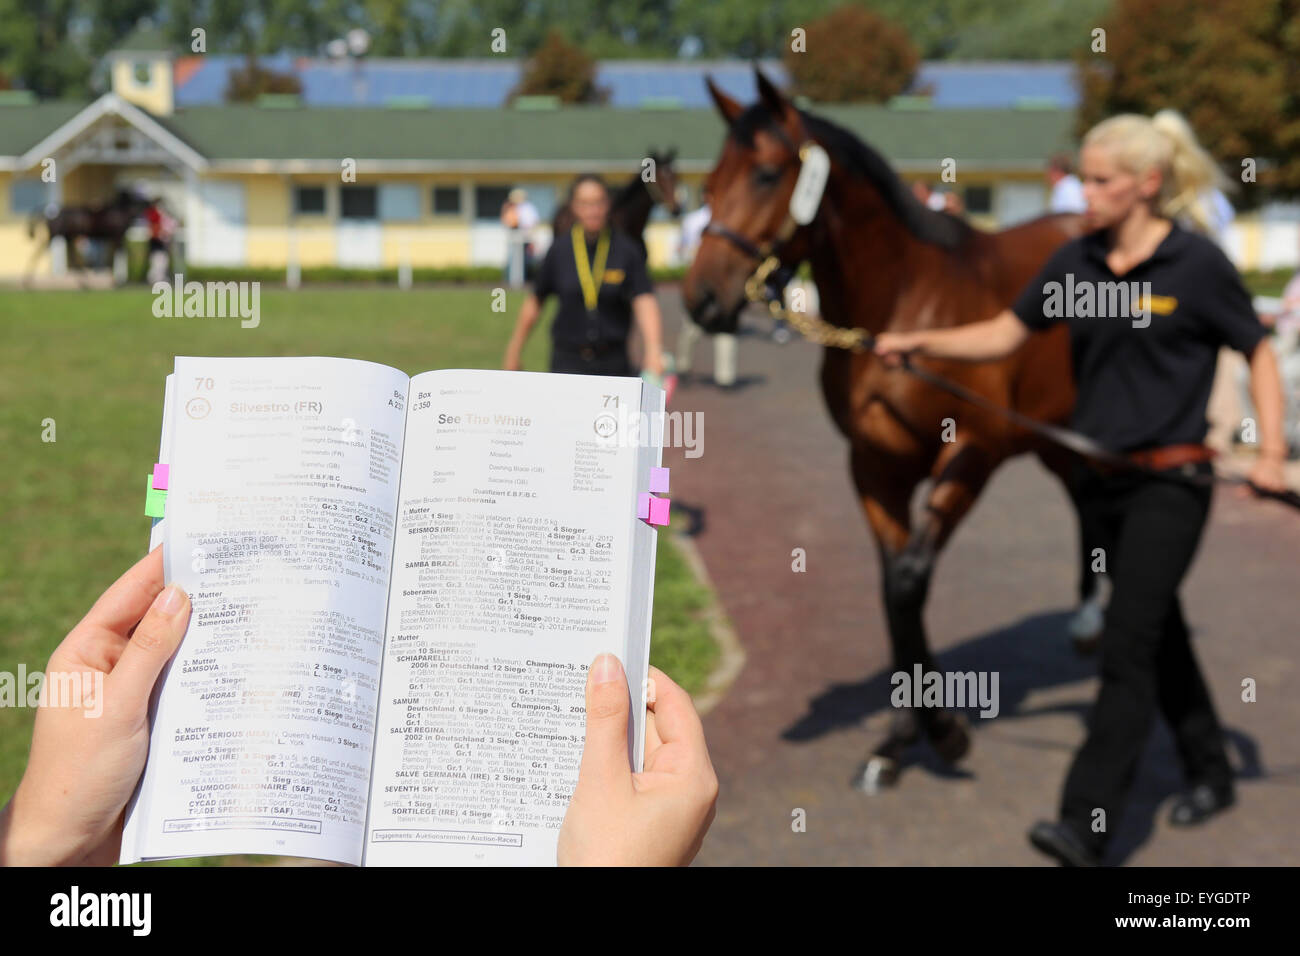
218, 238
360, 237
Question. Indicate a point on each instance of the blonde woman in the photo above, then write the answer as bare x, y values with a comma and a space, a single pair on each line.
1143, 375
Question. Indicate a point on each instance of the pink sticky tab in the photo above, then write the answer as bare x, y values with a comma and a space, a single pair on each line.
659, 511
643, 505
161, 473
659, 480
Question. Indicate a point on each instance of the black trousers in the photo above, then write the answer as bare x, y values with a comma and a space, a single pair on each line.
1150, 528
609, 360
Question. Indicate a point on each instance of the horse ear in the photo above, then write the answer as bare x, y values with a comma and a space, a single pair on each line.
728, 107
772, 98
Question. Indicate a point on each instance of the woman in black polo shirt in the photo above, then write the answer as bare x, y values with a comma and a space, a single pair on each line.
1149, 304
599, 276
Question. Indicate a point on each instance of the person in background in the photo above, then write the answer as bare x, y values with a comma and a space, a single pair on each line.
1067, 191
162, 228
70, 805
519, 215
1143, 389
599, 277
938, 200
724, 345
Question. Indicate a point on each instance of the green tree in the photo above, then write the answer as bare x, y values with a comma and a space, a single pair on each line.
247, 83
560, 69
1232, 69
36, 51
852, 55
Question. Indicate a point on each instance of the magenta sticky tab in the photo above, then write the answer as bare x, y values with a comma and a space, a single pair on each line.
659, 511
161, 473
659, 481
643, 505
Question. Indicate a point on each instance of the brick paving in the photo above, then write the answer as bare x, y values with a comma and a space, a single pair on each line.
813, 695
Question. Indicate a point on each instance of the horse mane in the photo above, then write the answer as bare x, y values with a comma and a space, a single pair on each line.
938, 228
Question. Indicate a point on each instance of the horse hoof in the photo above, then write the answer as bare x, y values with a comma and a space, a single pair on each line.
951, 738
877, 774
1087, 622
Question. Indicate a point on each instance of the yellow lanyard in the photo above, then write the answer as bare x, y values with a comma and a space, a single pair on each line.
590, 285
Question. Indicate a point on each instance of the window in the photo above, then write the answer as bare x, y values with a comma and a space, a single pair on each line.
26, 196
488, 201
446, 200
979, 199
358, 202
143, 73
309, 200
399, 201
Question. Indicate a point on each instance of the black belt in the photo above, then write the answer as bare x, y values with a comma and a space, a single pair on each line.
589, 352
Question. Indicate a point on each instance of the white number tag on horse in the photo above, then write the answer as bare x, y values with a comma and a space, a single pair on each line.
810, 185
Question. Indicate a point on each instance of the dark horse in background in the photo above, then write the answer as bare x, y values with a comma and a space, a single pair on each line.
631, 205
108, 222
881, 260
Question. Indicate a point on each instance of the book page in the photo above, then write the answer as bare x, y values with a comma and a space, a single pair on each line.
513, 568
284, 475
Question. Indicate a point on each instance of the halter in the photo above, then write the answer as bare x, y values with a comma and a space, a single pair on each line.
805, 201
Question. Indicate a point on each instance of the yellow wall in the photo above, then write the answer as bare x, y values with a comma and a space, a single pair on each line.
155, 95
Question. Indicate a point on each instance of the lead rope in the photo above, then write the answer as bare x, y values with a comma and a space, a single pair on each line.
817, 330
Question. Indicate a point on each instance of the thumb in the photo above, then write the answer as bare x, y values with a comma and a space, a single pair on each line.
155, 640
604, 755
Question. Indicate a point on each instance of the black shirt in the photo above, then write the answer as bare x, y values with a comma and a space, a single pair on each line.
1143, 355
625, 278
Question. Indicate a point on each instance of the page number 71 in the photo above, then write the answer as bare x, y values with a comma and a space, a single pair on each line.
610, 400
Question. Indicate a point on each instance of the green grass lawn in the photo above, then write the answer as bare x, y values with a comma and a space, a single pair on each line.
95, 362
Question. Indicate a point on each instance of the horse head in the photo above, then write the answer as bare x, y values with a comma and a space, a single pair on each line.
751, 191
664, 189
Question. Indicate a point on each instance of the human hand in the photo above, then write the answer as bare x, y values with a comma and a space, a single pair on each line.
87, 755
893, 347
1268, 473
654, 818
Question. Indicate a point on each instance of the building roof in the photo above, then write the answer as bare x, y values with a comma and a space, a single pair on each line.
597, 137
145, 38
485, 83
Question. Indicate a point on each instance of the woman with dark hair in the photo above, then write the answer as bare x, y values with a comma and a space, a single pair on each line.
1144, 376
600, 279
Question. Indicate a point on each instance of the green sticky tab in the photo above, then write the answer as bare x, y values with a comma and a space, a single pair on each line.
155, 499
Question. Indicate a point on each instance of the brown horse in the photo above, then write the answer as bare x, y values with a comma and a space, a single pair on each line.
631, 205
108, 222
881, 260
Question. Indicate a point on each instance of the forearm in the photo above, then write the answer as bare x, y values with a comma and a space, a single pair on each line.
985, 341
1266, 393
650, 324
528, 315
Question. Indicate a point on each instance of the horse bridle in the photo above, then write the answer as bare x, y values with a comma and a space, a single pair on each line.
769, 277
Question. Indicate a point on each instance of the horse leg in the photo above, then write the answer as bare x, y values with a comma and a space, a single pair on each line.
960, 473
886, 508
1086, 625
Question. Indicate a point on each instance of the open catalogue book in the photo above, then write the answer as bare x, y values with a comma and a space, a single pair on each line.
398, 584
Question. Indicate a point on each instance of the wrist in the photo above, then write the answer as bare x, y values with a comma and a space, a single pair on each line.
1275, 453
25, 839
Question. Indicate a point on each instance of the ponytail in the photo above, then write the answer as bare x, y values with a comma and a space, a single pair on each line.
1167, 142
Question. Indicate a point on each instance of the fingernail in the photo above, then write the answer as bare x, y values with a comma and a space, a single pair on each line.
605, 669
171, 600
